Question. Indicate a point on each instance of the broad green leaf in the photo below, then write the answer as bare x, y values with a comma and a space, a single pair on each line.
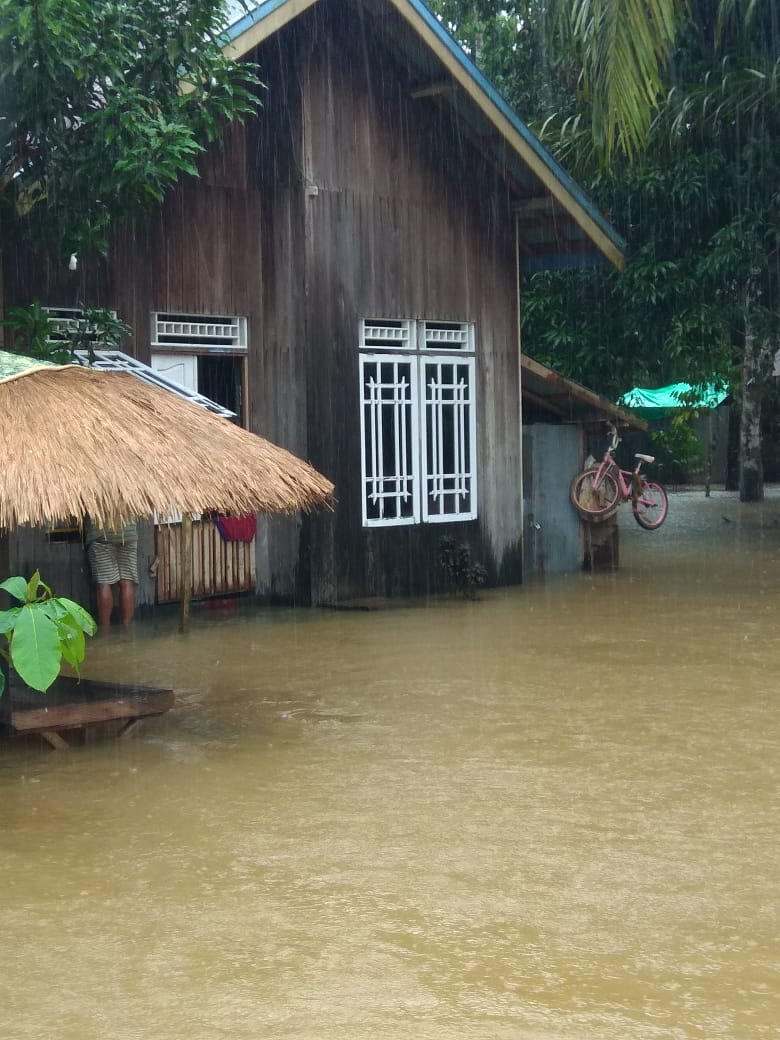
72, 633
35, 648
79, 614
8, 619
72, 645
53, 609
17, 587
32, 587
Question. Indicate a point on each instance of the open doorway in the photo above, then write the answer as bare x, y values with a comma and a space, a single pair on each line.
198, 354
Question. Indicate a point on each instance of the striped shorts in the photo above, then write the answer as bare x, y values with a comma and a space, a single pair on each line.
112, 563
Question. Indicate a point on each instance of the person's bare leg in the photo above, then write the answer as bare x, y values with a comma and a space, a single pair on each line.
105, 604
126, 602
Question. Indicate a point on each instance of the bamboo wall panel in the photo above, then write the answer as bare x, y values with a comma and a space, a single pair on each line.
219, 568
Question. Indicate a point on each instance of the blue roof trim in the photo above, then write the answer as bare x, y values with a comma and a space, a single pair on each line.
253, 17
269, 6
561, 261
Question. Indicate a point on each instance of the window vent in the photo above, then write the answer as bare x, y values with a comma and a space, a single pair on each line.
66, 322
194, 332
447, 335
384, 334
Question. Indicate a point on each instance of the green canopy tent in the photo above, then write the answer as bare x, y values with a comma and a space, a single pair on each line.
667, 401
656, 404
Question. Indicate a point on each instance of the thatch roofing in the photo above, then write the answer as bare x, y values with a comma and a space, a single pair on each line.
74, 441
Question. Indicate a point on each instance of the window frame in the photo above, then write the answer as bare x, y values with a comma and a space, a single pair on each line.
372, 358
386, 341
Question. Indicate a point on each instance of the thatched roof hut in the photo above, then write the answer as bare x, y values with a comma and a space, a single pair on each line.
75, 441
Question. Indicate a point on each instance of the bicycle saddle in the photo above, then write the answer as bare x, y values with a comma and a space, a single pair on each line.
645, 458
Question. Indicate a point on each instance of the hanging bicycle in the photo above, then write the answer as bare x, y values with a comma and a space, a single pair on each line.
597, 492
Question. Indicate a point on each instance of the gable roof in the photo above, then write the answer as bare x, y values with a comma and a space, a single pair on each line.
558, 218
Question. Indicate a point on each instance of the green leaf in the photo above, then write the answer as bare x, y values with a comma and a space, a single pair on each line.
8, 619
32, 587
17, 587
53, 609
72, 645
35, 648
79, 614
34, 584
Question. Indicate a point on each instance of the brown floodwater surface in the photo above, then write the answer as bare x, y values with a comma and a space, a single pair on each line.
548, 815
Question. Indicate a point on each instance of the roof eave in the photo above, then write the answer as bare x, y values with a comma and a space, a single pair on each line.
605, 409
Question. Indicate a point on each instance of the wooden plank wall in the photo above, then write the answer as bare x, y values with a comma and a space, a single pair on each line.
278, 371
198, 252
345, 199
63, 565
402, 219
218, 567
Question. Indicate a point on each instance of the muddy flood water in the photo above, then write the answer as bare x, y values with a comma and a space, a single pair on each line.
548, 815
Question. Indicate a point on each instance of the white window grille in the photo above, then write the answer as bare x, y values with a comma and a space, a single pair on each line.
446, 335
116, 361
418, 422
449, 434
389, 434
199, 333
66, 322
384, 335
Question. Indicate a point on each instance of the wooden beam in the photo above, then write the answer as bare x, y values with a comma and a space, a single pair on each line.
129, 729
72, 716
534, 204
434, 90
55, 740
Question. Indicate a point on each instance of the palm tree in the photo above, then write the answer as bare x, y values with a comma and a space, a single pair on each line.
685, 75
626, 53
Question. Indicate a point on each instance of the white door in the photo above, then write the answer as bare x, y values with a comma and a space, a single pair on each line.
218, 568
181, 368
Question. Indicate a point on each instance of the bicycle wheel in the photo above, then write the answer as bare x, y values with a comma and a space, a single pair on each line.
594, 503
651, 505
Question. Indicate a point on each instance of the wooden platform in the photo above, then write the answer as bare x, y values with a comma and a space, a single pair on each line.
71, 704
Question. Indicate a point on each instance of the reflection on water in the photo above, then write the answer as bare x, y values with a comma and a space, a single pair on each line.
551, 814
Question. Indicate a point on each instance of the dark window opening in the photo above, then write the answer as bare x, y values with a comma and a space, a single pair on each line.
221, 379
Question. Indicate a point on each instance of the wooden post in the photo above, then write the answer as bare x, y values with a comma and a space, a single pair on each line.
185, 572
5, 572
602, 545
710, 453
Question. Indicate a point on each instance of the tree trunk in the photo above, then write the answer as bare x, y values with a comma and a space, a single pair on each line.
732, 446
755, 368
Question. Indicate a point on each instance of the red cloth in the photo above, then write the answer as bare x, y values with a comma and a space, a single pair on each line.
237, 528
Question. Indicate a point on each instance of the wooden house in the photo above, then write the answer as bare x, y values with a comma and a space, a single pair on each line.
345, 275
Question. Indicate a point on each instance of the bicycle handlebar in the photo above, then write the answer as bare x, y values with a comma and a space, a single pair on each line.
614, 439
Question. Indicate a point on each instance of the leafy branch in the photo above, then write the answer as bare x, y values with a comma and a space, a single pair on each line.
42, 633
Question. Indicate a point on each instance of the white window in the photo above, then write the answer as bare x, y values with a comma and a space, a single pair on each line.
417, 422
69, 322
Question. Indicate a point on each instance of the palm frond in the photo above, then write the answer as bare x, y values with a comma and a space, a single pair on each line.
623, 47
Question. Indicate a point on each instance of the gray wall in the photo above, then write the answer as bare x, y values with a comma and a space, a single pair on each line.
552, 456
